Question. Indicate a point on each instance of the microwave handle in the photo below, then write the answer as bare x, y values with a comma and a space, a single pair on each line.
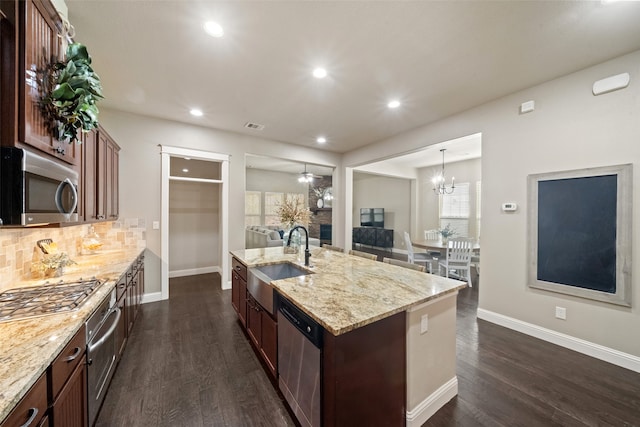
67, 181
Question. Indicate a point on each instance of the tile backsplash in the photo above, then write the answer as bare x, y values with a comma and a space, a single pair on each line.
18, 246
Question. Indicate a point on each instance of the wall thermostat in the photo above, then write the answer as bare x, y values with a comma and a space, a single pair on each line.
509, 206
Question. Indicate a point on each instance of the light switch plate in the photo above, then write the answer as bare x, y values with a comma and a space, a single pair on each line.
424, 323
156, 225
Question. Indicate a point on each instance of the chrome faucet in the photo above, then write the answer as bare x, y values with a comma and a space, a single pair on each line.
307, 254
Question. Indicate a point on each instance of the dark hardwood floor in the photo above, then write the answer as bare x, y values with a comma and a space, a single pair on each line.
189, 364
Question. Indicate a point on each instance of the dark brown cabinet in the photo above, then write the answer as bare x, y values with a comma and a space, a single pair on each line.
121, 329
68, 384
134, 292
239, 290
31, 38
373, 236
260, 326
32, 408
99, 182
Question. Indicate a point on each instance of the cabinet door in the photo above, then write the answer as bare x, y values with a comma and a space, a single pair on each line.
235, 291
42, 44
242, 302
121, 329
31, 408
269, 342
254, 321
70, 409
89, 177
112, 193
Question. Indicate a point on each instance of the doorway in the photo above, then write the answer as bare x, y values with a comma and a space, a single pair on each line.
184, 171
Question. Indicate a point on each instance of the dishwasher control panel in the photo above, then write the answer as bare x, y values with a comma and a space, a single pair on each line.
302, 321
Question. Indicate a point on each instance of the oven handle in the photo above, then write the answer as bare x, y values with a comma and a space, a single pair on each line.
74, 195
91, 347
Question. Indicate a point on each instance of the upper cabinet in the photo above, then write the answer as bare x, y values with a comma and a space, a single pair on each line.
99, 177
31, 37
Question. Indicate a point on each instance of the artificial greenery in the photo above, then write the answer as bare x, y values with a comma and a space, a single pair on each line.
70, 90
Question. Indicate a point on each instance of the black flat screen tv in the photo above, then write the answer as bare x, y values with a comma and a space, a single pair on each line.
372, 217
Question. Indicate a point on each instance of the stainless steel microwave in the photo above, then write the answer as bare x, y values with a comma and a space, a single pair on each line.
35, 190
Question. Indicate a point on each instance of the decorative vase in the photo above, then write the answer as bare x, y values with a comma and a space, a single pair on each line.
320, 203
294, 246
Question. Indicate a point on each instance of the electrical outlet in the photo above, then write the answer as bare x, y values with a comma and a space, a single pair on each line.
561, 313
424, 323
156, 225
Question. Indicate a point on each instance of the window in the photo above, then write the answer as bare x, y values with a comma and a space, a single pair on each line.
271, 203
252, 208
454, 210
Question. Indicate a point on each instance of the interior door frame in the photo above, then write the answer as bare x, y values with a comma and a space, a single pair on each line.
166, 153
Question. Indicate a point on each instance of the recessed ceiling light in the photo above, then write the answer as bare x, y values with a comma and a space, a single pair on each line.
321, 140
213, 29
185, 170
196, 112
319, 73
393, 104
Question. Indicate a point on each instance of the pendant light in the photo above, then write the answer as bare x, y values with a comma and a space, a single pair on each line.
438, 180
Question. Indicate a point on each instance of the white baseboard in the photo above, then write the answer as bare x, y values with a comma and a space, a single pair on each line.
598, 351
151, 297
194, 271
226, 285
425, 409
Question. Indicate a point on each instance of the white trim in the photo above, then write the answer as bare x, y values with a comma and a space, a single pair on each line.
195, 271
597, 351
166, 153
205, 180
226, 285
429, 406
152, 297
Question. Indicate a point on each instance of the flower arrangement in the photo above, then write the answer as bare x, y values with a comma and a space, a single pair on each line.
446, 232
54, 264
292, 212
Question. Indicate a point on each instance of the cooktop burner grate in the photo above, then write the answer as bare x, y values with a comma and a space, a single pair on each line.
49, 298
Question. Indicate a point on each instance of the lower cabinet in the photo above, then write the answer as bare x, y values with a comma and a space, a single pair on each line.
32, 409
260, 326
262, 331
70, 407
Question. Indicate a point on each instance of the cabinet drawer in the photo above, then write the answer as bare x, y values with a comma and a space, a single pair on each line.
65, 363
31, 408
239, 268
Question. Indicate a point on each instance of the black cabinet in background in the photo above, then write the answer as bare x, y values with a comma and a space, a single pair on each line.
373, 236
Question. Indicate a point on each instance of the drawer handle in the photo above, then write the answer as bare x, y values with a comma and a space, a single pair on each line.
238, 267
32, 417
73, 357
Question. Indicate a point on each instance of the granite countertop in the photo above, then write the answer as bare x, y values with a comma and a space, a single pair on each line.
347, 292
27, 347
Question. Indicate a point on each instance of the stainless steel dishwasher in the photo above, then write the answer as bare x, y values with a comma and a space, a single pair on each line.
300, 362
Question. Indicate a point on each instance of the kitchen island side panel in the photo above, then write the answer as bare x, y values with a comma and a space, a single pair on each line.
364, 375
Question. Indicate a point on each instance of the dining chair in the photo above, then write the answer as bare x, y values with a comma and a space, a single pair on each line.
367, 255
420, 257
458, 258
404, 264
433, 234
333, 248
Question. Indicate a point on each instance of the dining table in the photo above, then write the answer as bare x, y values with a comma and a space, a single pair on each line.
439, 245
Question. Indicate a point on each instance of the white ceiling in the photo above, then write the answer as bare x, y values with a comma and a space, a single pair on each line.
437, 57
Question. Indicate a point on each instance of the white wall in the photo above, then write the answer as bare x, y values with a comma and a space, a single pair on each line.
194, 222
428, 201
570, 129
140, 180
392, 194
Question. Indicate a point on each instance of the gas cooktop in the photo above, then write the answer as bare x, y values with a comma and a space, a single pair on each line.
49, 298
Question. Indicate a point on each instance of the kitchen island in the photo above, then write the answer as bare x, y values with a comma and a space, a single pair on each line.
29, 346
383, 325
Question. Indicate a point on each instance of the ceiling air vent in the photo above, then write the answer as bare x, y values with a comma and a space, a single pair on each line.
254, 126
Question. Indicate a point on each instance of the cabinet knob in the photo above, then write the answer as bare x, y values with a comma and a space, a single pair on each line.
59, 150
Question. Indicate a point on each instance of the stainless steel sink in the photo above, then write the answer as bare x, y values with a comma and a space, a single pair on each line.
259, 281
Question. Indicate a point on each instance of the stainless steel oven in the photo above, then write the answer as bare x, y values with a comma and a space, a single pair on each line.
101, 353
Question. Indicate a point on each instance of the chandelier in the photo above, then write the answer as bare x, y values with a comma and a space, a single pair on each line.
439, 186
305, 176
